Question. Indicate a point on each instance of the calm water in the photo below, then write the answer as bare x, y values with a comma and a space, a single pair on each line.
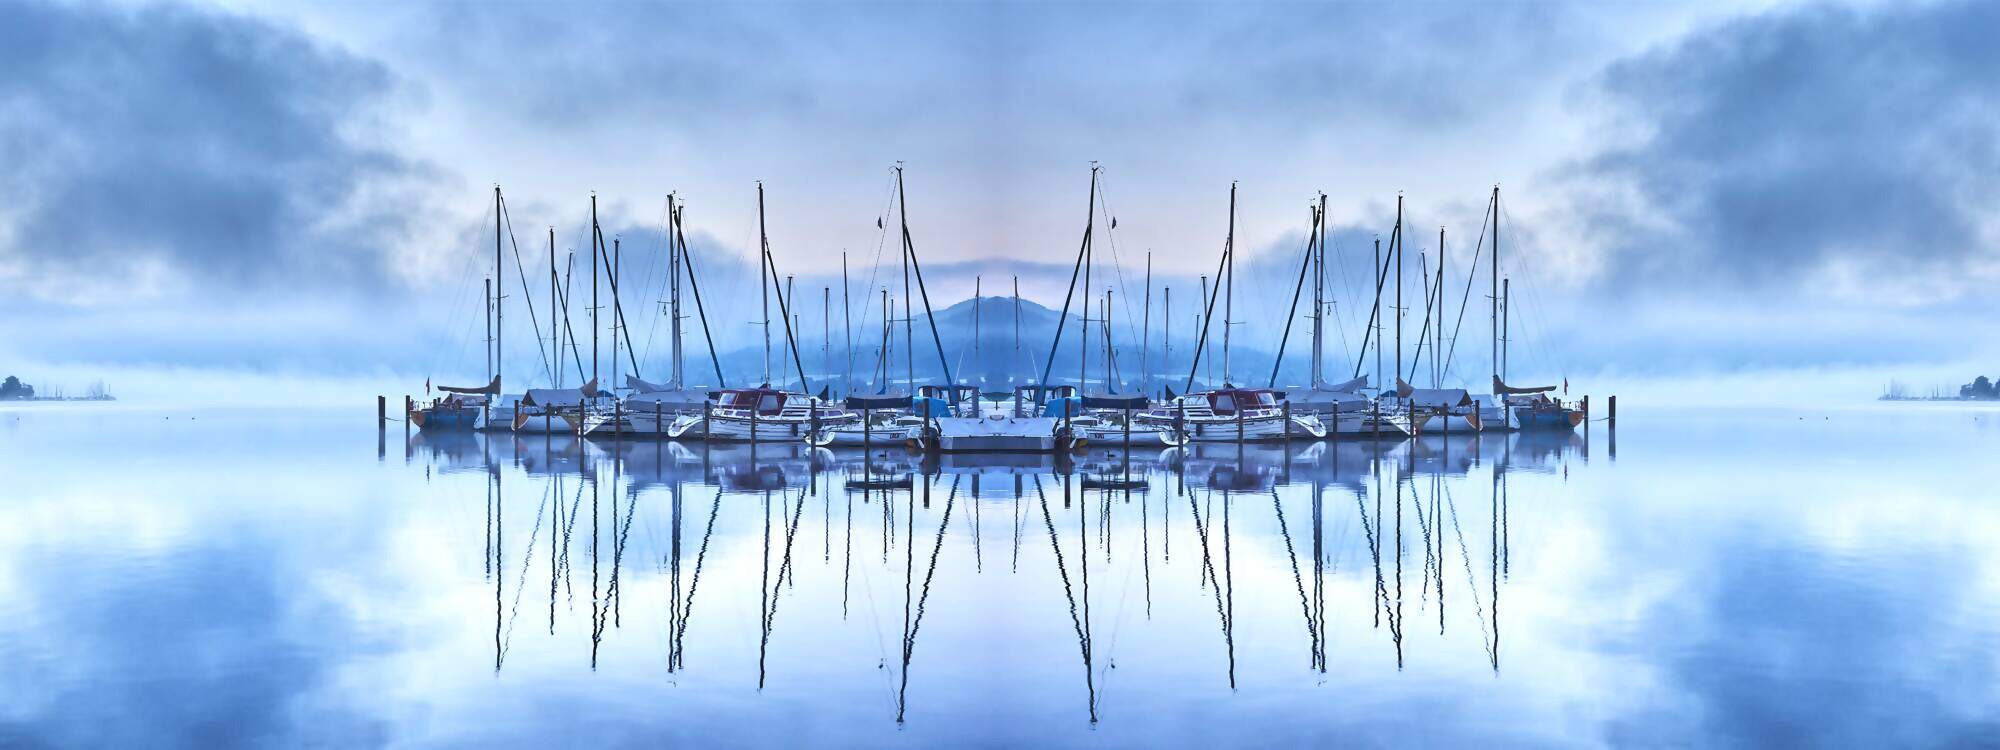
204, 579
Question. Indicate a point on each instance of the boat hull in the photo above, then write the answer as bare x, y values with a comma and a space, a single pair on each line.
1254, 429
996, 435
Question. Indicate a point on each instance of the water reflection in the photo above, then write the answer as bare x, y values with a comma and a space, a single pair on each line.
1113, 516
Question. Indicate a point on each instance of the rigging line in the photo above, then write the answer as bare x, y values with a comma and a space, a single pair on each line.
1471, 275
617, 307
1339, 323
533, 319
1201, 342
1375, 312
1291, 313
1062, 320
666, 279
875, 270
1117, 265
567, 328
687, 262
1539, 342
465, 276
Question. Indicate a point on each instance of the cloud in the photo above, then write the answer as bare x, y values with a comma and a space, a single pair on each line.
161, 151
1817, 146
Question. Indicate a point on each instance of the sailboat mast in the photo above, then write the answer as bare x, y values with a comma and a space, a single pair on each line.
1506, 301
1069, 296
1319, 294
1439, 366
1167, 335
826, 330
1089, 259
593, 287
764, 281
1108, 387
498, 285
617, 320
1229, 282
1495, 299
674, 291
1396, 248
847, 321
555, 334
1375, 318
1146, 330
975, 318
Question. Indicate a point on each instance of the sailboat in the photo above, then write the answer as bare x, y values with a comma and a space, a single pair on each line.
1340, 407
764, 413
1510, 407
650, 409
465, 407
1229, 413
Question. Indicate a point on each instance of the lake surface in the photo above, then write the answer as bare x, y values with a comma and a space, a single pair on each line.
234, 578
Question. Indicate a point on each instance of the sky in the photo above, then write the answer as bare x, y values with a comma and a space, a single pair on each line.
1710, 201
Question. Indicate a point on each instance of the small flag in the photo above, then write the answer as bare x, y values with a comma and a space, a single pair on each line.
1114, 222
1565, 386
878, 222
427, 386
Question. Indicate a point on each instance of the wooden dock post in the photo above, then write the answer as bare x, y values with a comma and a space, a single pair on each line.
1288, 420
1239, 420
381, 413
1611, 412
409, 405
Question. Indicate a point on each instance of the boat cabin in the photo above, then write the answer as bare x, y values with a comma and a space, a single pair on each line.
766, 402
1225, 402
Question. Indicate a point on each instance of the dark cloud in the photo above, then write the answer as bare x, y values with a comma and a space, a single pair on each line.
1776, 146
198, 146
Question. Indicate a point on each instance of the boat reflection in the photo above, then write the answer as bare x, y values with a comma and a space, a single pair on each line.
1411, 511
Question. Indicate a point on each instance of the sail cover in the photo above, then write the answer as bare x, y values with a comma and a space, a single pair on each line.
679, 398
552, 397
635, 385
1503, 389
878, 401
490, 389
1433, 397
1114, 401
1351, 386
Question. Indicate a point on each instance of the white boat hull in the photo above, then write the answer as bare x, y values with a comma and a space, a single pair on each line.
1253, 429
996, 434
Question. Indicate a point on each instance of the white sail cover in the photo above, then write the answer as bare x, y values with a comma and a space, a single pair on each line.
1351, 386
636, 385
669, 400
1323, 399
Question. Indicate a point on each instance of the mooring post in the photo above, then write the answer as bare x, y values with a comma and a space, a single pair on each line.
1287, 411
617, 420
756, 405
867, 429
1180, 418
707, 410
1240, 408
813, 427
409, 405
381, 413
659, 428
1611, 412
